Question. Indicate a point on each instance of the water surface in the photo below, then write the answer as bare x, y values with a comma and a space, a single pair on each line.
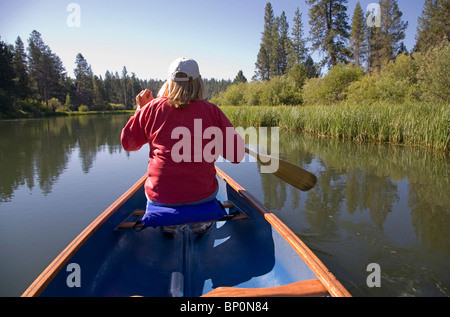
372, 204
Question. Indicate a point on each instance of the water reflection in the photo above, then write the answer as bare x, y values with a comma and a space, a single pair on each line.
372, 203
36, 152
364, 178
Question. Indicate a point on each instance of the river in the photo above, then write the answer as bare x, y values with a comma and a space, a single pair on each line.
373, 203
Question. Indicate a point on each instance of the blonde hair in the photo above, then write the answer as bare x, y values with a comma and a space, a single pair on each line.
180, 93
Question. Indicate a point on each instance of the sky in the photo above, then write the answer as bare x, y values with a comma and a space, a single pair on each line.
223, 36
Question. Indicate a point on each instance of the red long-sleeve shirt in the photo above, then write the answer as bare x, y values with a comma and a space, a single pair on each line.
184, 144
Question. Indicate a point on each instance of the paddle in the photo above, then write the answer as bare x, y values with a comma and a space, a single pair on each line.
288, 172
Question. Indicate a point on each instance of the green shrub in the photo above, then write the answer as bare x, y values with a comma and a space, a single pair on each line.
83, 108
333, 87
234, 95
434, 74
253, 94
30, 106
312, 91
280, 90
63, 108
54, 104
410, 78
420, 76
115, 106
69, 104
396, 83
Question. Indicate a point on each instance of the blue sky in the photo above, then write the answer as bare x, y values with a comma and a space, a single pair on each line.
146, 36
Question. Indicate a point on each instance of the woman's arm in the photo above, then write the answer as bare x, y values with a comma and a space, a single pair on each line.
133, 136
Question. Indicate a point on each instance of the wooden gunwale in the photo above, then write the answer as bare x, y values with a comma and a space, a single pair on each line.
334, 287
41, 282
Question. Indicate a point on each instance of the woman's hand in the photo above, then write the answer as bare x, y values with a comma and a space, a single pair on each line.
143, 98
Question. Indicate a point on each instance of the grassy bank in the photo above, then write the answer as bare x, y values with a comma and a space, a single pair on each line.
416, 124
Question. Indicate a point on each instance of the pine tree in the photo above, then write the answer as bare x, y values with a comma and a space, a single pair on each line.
263, 62
386, 40
136, 86
433, 24
298, 52
117, 89
312, 69
84, 82
36, 48
6, 78
358, 39
58, 75
46, 68
20, 68
274, 54
126, 89
98, 94
329, 29
240, 78
108, 86
280, 45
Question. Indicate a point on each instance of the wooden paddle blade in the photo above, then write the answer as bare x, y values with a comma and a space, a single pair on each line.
288, 172
295, 176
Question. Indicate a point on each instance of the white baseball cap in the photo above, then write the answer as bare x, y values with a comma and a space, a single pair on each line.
184, 65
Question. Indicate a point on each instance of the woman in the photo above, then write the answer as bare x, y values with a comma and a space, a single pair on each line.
186, 134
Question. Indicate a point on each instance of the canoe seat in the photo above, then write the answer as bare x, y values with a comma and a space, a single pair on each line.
236, 215
307, 288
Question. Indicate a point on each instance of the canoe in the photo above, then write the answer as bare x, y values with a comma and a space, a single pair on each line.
251, 253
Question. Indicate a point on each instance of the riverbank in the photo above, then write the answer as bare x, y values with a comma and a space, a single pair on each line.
31, 115
414, 124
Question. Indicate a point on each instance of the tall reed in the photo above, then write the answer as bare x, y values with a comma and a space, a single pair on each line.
416, 123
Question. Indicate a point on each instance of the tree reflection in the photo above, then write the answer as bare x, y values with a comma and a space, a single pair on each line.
364, 178
37, 151
325, 200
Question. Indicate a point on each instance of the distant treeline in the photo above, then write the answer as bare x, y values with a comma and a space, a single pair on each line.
34, 81
364, 59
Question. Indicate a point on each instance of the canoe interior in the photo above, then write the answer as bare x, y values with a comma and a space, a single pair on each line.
246, 253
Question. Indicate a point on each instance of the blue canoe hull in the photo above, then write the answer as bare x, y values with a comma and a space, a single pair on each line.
256, 253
